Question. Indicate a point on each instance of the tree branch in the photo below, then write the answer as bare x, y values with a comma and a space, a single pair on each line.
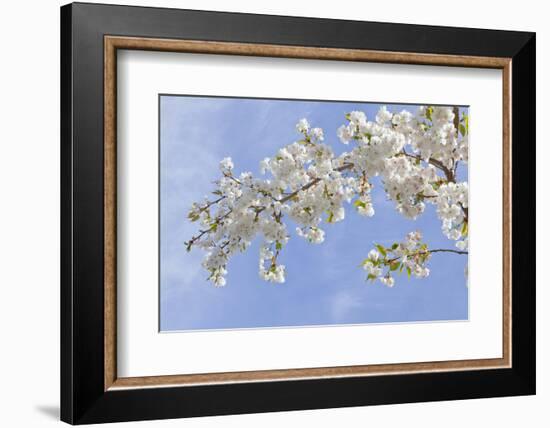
447, 250
312, 183
448, 172
456, 112
438, 250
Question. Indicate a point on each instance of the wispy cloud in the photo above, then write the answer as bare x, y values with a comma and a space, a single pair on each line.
342, 303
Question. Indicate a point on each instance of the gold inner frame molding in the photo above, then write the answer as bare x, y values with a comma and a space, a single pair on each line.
113, 43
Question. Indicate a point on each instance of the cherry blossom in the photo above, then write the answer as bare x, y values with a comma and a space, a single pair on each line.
415, 155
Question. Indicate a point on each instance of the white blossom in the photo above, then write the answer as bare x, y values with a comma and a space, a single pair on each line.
226, 165
318, 134
373, 255
303, 126
345, 134
383, 116
387, 281
315, 235
462, 245
415, 156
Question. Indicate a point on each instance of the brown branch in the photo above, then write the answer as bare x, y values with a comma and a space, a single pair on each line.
260, 209
456, 112
312, 183
447, 250
210, 203
438, 250
448, 172
196, 238
225, 174
465, 211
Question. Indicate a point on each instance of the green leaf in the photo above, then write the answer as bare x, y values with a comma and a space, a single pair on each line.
409, 272
429, 112
394, 265
278, 246
394, 246
371, 277
462, 129
358, 203
330, 217
193, 216
381, 249
464, 230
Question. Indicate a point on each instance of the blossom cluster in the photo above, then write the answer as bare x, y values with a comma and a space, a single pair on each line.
415, 155
410, 255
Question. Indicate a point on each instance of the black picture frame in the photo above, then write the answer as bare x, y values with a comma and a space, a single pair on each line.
83, 398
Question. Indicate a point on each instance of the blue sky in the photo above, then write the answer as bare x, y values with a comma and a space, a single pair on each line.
324, 283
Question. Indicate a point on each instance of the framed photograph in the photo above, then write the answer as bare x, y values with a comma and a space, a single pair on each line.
265, 213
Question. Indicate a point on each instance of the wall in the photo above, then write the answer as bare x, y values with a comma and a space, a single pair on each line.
29, 230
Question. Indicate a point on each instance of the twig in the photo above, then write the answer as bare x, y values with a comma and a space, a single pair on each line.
313, 183
448, 172
438, 250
